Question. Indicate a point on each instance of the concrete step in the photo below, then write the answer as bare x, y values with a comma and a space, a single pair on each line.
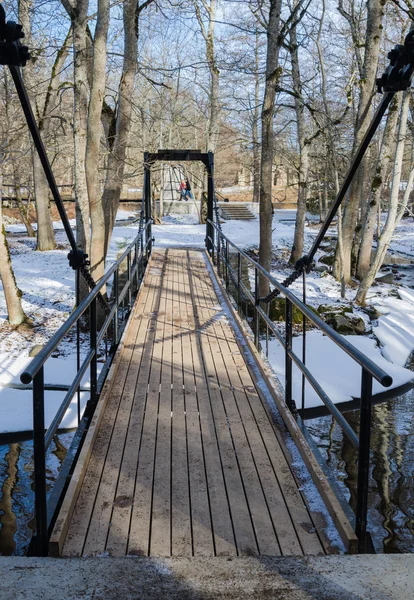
363, 577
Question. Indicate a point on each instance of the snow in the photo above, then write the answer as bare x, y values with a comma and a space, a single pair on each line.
337, 373
16, 409
47, 283
58, 371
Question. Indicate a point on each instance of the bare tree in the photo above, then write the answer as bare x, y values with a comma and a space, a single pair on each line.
395, 210
304, 145
375, 11
45, 232
11, 291
266, 168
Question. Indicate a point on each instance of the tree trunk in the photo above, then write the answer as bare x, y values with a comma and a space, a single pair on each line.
116, 160
297, 248
255, 128
45, 232
94, 139
23, 210
11, 291
80, 123
377, 186
394, 211
272, 78
372, 45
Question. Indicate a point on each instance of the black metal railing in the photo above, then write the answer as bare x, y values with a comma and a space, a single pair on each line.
99, 331
230, 261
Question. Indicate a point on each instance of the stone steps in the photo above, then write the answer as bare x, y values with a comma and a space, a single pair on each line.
237, 212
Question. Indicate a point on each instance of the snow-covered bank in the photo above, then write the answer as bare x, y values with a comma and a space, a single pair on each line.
337, 373
47, 283
48, 286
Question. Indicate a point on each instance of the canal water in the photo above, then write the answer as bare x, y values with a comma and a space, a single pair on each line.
16, 490
391, 485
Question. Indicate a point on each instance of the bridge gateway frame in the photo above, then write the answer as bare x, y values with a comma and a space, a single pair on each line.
188, 155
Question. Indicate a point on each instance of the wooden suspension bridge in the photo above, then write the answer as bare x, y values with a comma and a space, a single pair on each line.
178, 452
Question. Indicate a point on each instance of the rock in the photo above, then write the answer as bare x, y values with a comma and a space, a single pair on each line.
335, 308
278, 308
327, 259
386, 278
372, 312
347, 325
358, 324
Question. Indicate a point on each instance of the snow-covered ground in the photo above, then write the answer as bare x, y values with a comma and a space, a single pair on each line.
47, 283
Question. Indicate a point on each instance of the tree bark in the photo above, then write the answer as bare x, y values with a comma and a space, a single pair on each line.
377, 186
94, 139
395, 212
297, 248
208, 35
255, 128
372, 44
11, 291
45, 232
116, 160
272, 78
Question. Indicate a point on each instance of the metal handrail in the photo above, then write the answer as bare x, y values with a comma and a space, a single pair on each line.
46, 509
379, 374
219, 252
33, 367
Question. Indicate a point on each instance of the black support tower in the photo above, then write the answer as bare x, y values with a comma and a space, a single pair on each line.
207, 158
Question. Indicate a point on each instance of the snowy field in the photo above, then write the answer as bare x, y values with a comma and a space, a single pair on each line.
47, 283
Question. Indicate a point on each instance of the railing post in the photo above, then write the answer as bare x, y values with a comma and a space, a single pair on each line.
239, 277
129, 281
39, 454
256, 304
288, 359
218, 252
116, 294
227, 265
78, 357
363, 462
136, 265
92, 343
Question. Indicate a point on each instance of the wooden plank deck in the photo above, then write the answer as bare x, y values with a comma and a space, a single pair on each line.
186, 461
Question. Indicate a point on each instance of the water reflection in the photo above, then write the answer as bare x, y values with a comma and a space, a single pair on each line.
391, 490
16, 490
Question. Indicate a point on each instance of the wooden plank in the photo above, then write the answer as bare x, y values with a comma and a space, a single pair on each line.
246, 459
78, 528
292, 522
66, 512
200, 509
331, 502
140, 531
180, 500
117, 542
241, 518
160, 543
223, 534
